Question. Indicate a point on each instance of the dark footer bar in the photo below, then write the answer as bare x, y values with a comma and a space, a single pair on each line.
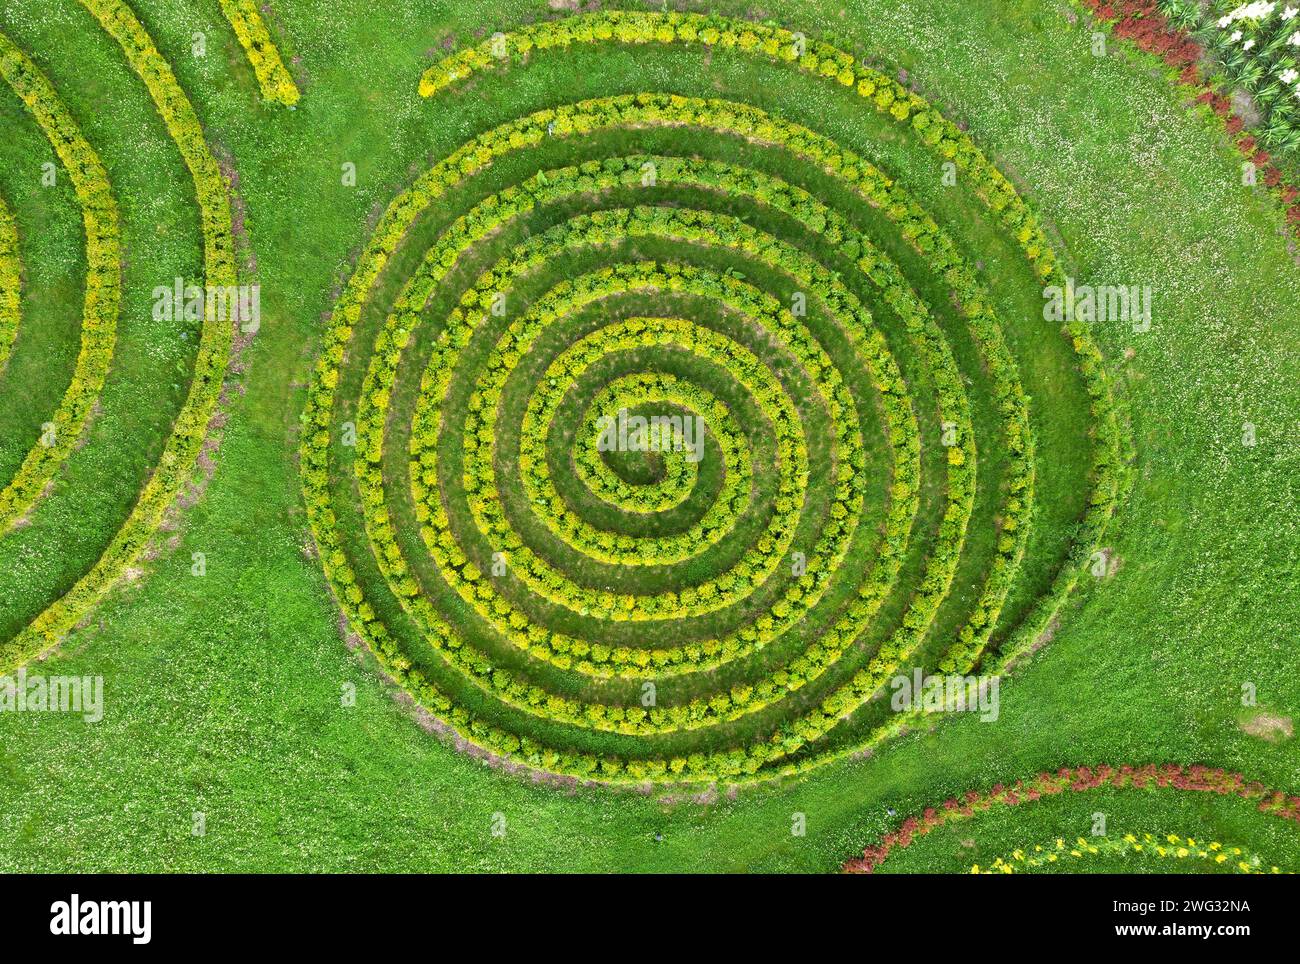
335, 914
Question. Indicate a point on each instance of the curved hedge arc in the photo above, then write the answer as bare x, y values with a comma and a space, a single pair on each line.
11, 280
1135, 778
1169, 846
493, 577
190, 425
103, 281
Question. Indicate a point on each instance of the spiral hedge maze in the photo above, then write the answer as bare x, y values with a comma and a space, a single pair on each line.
69, 485
862, 495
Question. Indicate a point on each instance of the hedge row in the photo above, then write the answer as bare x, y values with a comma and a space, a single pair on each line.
11, 270
190, 426
103, 281
272, 76
1165, 846
381, 354
778, 45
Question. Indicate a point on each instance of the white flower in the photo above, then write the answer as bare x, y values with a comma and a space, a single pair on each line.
1248, 44
1295, 39
1289, 75
1236, 35
1290, 13
1225, 22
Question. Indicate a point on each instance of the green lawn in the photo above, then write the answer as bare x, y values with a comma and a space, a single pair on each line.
224, 692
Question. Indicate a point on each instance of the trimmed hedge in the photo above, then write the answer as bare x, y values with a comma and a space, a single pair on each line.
272, 76
11, 280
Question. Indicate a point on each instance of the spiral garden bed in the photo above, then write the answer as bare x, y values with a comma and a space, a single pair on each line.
745, 631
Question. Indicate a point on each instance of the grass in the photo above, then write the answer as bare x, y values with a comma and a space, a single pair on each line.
224, 692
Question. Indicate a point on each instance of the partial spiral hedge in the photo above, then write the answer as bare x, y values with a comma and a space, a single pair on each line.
864, 479
103, 280
102, 299
1138, 780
